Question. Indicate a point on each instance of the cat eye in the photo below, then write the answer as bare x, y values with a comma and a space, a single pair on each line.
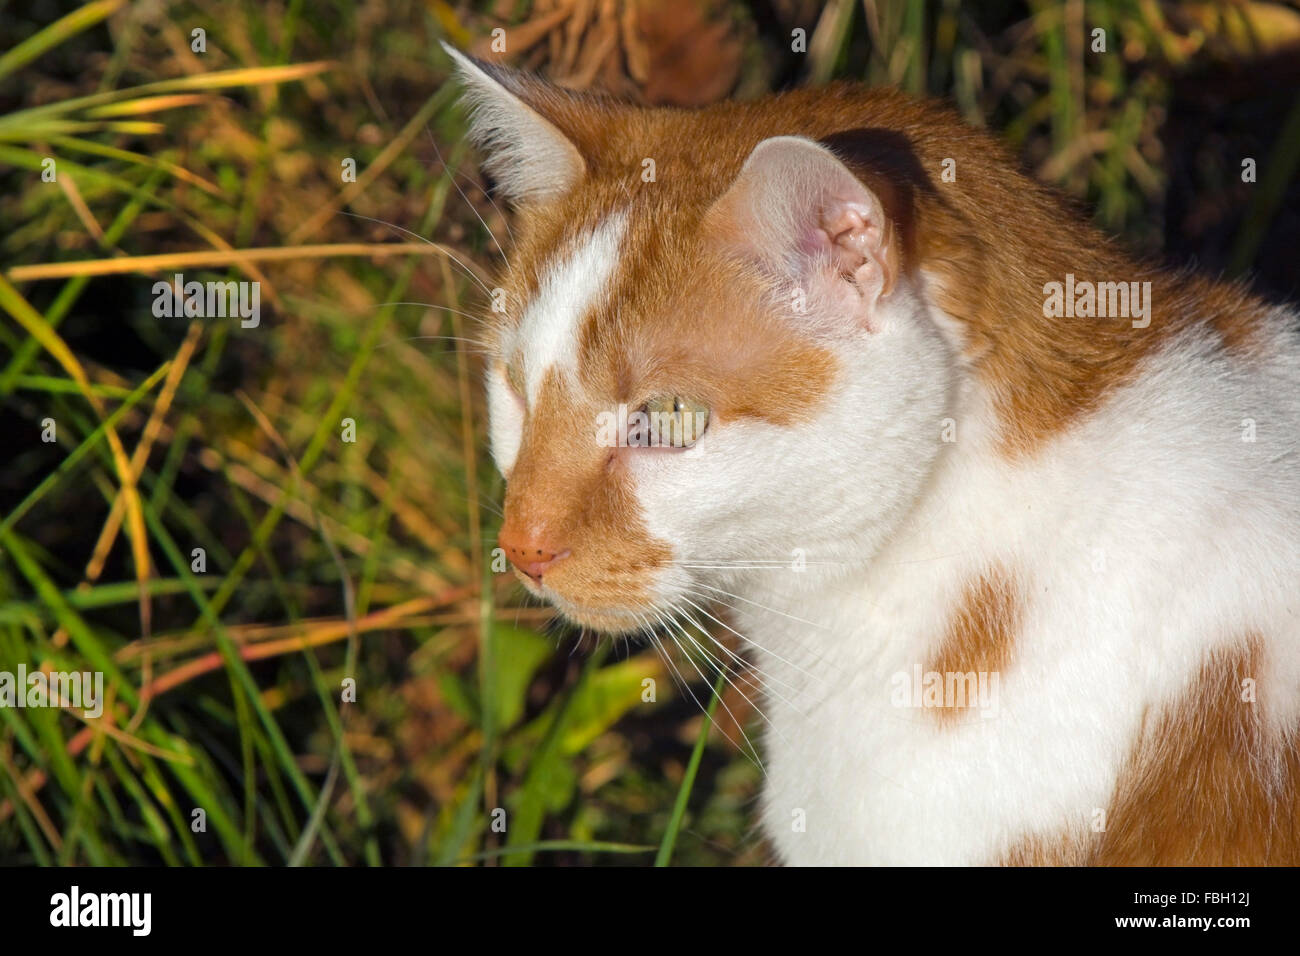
669, 421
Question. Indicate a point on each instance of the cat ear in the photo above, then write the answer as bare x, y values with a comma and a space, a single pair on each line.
524, 151
797, 211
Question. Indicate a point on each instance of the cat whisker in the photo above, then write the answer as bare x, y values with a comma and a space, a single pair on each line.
648, 632
767, 679
433, 305
415, 235
724, 673
491, 506
776, 563
505, 257
713, 598
442, 338
734, 567
691, 660
679, 679
740, 668
770, 610
451, 174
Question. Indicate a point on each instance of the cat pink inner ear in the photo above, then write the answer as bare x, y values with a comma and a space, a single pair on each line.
796, 209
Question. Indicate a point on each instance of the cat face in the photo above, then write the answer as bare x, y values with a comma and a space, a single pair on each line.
717, 368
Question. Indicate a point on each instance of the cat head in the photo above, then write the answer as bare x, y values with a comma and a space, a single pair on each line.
708, 353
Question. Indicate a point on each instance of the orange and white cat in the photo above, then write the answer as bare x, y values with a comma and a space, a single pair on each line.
1008, 521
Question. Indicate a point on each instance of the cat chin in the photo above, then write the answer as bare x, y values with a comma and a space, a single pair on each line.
611, 621
615, 621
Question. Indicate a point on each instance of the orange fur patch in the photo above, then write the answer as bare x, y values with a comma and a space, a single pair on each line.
1208, 784
980, 637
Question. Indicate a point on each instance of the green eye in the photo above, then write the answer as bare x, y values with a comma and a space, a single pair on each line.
674, 422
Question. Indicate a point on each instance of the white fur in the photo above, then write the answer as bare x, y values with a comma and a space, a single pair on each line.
506, 412
569, 289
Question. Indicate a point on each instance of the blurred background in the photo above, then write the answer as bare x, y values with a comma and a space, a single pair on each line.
230, 523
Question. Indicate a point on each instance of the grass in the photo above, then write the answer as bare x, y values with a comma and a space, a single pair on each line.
275, 542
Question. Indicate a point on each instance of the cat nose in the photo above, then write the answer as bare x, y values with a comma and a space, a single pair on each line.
529, 554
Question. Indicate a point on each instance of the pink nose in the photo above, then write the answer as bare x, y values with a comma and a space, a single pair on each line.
530, 555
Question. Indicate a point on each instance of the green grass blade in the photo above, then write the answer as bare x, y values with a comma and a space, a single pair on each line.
56, 33
87, 445
665, 853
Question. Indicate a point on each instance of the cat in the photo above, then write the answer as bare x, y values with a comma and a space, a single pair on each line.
1007, 521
